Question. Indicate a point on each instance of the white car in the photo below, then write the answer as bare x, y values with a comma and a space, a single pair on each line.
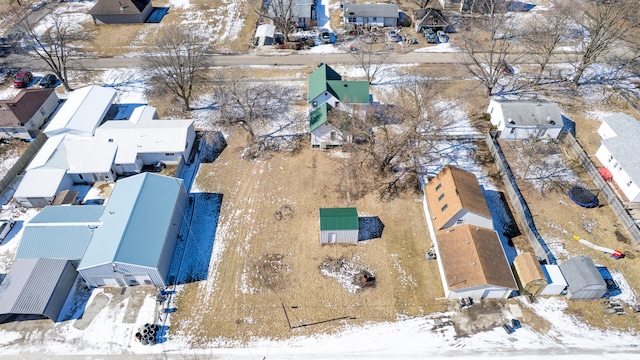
392, 36
5, 226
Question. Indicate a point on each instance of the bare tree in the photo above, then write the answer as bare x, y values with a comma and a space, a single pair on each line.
249, 103
421, 3
55, 46
544, 35
606, 24
369, 54
280, 12
176, 61
487, 44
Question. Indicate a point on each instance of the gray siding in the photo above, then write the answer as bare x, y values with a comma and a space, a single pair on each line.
341, 236
583, 279
101, 275
172, 235
61, 291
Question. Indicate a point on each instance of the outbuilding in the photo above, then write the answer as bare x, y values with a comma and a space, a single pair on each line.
529, 273
140, 227
556, 284
338, 225
39, 187
121, 11
583, 279
525, 119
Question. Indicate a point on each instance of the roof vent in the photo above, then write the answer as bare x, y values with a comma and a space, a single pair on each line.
510, 120
345, 85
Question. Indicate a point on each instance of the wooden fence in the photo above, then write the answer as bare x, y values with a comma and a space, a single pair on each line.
22, 162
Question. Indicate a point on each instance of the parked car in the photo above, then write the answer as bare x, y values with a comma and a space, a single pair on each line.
23, 79
430, 35
325, 36
392, 36
442, 37
48, 81
515, 323
5, 227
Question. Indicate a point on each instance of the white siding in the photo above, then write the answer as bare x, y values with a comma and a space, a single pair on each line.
325, 97
481, 292
467, 217
340, 236
104, 275
628, 186
324, 134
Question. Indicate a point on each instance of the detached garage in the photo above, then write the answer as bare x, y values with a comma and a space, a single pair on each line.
36, 287
583, 279
137, 238
338, 225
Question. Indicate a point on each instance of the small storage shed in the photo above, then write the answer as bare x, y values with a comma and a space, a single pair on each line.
556, 284
121, 11
37, 287
583, 279
529, 273
265, 35
338, 225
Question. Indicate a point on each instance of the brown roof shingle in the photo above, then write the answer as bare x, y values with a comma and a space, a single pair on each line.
20, 109
457, 189
473, 256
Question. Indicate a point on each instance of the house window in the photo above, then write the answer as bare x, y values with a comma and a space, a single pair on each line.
169, 154
444, 207
375, 19
352, 19
438, 187
440, 197
615, 165
459, 221
333, 135
42, 111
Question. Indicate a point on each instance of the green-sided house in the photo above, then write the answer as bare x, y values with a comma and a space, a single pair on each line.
338, 225
329, 92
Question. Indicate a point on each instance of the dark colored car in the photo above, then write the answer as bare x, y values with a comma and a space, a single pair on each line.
48, 81
515, 323
508, 328
23, 79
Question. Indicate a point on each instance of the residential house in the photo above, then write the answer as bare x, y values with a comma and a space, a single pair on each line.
121, 11
36, 287
524, 119
302, 12
583, 279
370, 15
141, 223
23, 116
473, 264
38, 187
328, 91
454, 198
338, 225
429, 18
60, 232
556, 283
620, 134
529, 273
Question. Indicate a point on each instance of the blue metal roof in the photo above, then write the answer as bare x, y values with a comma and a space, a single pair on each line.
55, 242
72, 214
135, 222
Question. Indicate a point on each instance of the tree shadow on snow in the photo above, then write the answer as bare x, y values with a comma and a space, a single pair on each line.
192, 255
369, 227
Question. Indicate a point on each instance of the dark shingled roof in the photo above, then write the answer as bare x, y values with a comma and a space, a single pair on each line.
18, 111
117, 7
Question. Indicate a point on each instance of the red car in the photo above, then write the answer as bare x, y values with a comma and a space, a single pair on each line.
23, 79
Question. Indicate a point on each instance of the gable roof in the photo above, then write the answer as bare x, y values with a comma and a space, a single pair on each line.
135, 222
371, 10
528, 268
627, 130
84, 215
318, 81
36, 286
457, 189
530, 113
299, 8
83, 111
473, 256
118, 7
580, 272
338, 219
318, 116
350, 92
22, 107
430, 17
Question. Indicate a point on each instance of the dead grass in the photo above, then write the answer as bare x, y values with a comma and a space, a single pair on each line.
270, 263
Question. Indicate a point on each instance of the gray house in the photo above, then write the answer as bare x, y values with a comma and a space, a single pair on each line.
381, 15
36, 287
583, 279
338, 225
121, 11
140, 226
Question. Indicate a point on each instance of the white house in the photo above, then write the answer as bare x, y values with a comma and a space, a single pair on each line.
141, 223
90, 160
23, 116
82, 112
39, 187
522, 119
382, 15
620, 135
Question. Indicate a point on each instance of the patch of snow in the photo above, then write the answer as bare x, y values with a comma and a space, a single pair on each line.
443, 47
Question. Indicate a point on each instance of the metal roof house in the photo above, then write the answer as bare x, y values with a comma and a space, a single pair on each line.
90, 160
620, 134
82, 112
523, 119
60, 232
338, 225
473, 263
36, 287
144, 140
140, 227
382, 15
326, 91
38, 187
584, 281
454, 198
121, 11
23, 116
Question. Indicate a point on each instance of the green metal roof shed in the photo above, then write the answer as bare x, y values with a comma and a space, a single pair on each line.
338, 225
